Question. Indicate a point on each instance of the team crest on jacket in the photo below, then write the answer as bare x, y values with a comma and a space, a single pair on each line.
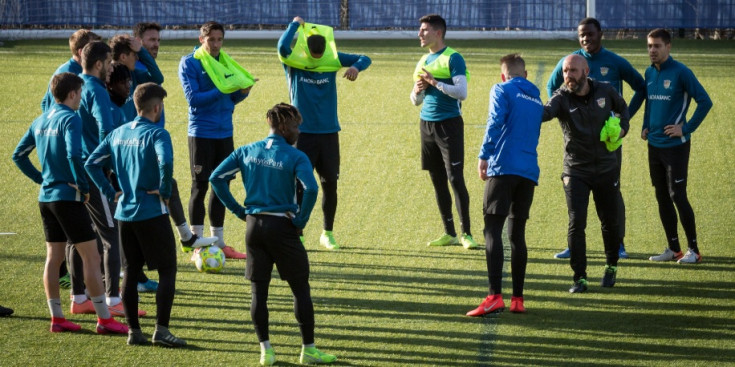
197, 169
667, 83
601, 102
604, 70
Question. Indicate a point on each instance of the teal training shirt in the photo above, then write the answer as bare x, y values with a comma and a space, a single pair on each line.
141, 155
57, 137
315, 93
438, 106
606, 67
669, 94
70, 66
96, 110
137, 77
270, 169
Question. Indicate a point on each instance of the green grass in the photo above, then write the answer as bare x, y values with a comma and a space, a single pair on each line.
385, 298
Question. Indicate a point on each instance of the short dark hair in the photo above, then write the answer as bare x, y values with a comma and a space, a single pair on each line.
210, 26
120, 45
93, 52
80, 38
142, 27
590, 20
436, 22
661, 33
514, 63
119, 73
147, 95
282, 113
64, 83
317, 43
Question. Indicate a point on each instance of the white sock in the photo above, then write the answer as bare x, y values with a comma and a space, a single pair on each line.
184, 231
198, 230
79, 298
219, 233
54, 307
100, 308
265, 345
113, 301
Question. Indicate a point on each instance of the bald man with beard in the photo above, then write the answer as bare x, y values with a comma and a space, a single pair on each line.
582, 107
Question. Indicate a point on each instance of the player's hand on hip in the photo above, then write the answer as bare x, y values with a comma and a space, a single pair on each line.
673, 131
351, 73
482, 169
644, 134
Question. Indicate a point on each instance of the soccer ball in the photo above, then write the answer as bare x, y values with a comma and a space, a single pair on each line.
209, 259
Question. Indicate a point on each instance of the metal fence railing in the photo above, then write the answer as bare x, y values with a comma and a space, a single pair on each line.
371, 14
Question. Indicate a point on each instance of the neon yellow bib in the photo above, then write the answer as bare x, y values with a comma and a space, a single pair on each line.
439, 68
300, 57
226, 74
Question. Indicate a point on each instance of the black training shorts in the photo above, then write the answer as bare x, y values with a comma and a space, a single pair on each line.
323, 152
206, 154
66, 221
508, 195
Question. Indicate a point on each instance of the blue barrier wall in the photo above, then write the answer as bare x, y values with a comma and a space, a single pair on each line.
372, 14
166, 12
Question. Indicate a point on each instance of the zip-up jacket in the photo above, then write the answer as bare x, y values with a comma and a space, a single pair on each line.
270, 169
71, 66
670, 92
142, 156
57, 137
97, 113
581, 119
513, 128
210, 111
315, 93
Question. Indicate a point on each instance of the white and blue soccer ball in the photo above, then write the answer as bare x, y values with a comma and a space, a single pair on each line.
209, 259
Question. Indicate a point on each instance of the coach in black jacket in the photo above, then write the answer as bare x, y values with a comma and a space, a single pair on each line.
582, 106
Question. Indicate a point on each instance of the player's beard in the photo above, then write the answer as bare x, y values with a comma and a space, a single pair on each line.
576, 84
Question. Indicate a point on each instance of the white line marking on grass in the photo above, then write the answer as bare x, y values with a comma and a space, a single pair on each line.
7, 233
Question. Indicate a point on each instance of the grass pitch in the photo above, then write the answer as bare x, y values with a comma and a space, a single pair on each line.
385, 298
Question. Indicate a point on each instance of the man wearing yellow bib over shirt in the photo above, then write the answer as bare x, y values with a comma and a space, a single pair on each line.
441, 78
213, 84
311, 70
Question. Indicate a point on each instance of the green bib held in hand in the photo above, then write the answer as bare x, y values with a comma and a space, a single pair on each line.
610, 134
439, 68
300, 57
226, 74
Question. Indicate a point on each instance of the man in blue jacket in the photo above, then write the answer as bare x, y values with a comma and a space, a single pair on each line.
210, 133
142, 156
56, 135
270, 171
508, 163
314, 93
607, 67
670, 88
